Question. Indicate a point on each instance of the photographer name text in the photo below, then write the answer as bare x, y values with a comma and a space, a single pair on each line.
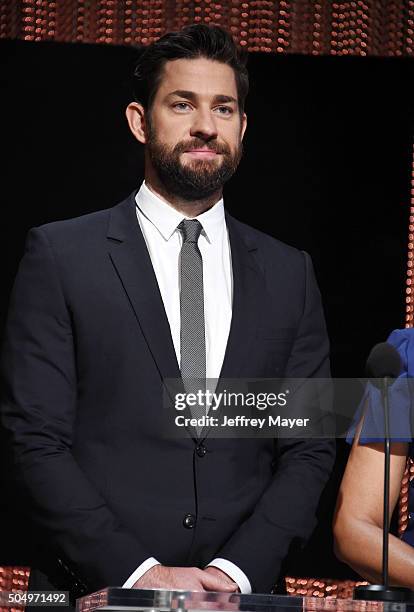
240, 421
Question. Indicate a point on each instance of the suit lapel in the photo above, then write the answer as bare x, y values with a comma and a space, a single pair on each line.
130, 257
248, 289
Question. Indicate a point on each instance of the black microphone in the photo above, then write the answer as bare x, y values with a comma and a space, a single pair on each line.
384, 364
383, 361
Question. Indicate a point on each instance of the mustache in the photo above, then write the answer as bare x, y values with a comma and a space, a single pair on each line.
199, 143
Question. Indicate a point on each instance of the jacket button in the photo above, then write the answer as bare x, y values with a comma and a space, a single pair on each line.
201, 450
189, 521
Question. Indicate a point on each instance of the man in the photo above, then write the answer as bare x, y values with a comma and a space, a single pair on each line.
165, 284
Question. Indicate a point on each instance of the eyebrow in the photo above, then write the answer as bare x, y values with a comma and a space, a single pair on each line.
191, 95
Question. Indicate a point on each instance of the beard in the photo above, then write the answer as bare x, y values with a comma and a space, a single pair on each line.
198, 178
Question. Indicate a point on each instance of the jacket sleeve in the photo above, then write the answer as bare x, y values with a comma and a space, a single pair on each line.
38, 410
286, 511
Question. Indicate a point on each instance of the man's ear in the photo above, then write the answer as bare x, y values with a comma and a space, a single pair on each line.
243, 125
135, 114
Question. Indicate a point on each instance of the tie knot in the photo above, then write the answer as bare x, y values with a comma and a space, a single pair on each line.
191, 229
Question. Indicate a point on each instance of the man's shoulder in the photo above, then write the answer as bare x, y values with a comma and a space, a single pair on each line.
89, 224
268, 244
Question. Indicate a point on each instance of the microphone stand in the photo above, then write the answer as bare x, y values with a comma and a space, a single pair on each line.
385, 592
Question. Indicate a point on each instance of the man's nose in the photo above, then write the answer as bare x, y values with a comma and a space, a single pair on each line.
204, 125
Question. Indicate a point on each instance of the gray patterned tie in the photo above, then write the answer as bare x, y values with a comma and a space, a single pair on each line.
193, 341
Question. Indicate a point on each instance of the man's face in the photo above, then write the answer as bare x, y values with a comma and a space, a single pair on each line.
194, 132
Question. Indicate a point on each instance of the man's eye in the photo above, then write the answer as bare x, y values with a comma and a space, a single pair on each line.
181, 105
225, 110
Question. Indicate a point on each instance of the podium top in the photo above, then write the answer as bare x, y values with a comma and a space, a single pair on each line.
155, 600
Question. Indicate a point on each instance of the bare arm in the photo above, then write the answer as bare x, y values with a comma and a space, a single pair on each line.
359, 514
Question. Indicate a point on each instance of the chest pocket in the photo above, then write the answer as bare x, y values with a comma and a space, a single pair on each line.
284, 335
275, 345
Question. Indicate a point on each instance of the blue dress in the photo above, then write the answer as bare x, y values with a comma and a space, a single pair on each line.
401, 397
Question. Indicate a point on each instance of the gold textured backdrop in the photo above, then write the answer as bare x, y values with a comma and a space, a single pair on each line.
361, 28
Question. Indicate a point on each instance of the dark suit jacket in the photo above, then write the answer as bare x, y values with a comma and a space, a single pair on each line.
87, 345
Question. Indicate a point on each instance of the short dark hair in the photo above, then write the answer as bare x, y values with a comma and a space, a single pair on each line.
197, 40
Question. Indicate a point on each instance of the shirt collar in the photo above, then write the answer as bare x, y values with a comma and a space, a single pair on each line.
166, 219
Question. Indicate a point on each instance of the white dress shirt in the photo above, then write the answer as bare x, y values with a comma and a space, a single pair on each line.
158, 222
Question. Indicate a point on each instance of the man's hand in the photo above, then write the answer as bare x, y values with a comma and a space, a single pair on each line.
215, 571
186, 578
